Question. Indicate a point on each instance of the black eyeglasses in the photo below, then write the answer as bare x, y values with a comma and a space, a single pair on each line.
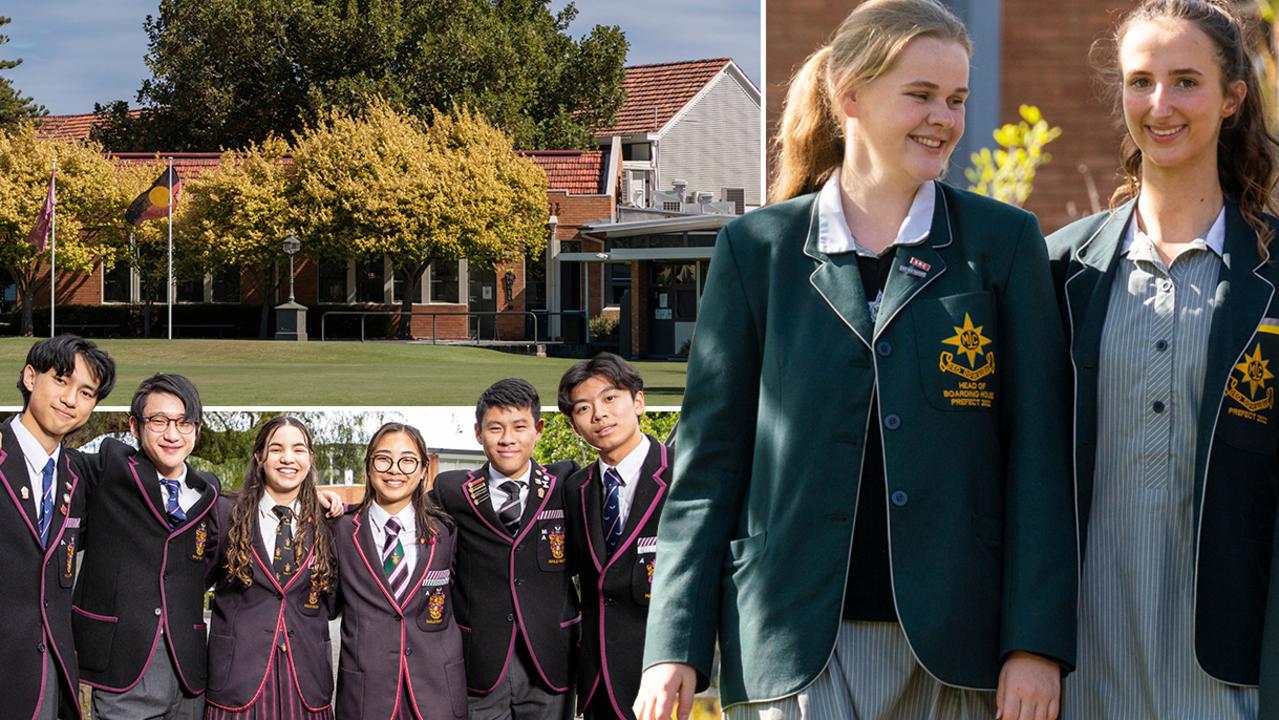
406, 465
160, 423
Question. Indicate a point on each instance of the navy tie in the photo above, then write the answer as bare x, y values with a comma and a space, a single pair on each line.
46, 503
509, 513
612, 510
176, 515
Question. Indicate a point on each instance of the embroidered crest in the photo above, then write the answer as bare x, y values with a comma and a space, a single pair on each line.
435, 607
201, 537
69, 568
556, 538
1253, 371
648, 567
312, 599
976, 364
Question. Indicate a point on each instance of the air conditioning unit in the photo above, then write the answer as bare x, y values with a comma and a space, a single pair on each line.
737, 196
705, 197
636, 188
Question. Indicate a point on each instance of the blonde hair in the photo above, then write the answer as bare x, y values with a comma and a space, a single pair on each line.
810, 138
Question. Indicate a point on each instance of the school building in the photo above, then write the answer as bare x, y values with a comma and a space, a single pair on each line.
1025, 52
630, 227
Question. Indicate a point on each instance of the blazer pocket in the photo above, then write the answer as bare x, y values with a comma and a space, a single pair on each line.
350, 694
642, 572
436, 606
93, 634
221, 660
455, 677
552, 548
957, 343
743, 550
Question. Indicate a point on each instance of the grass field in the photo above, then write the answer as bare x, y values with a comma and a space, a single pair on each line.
270, 373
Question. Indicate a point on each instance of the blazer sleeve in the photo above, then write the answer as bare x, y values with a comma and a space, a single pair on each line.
712, 468
1041, 564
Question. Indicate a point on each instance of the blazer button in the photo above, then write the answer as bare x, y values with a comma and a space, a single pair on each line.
608, 601
157, 612
884, 348
519, 581
510, 617
900, 498
892, 422
40, 647
408, 651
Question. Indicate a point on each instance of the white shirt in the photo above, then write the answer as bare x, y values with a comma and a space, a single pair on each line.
268, 523
498, 496
629, 469
408, 533
834, 236
33, 452
187, 496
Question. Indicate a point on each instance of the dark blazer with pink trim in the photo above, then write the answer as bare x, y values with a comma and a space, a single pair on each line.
511, 587
139, 575
250, 622
385, 641
36, 588
615, 590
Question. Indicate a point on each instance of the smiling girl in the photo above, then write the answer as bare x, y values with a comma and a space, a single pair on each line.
1170, 301
401, 653
870, 512
269, 653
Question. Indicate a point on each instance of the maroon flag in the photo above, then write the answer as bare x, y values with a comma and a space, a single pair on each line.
40, 231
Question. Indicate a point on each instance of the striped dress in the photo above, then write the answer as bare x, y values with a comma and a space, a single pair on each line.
1136, 623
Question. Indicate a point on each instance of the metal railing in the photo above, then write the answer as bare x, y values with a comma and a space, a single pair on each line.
532, 317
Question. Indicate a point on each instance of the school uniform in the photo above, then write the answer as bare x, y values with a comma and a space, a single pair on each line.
269, 648
613, 535
1180, 466
401, 651
516, 603
39, 538
139, 599
970, 471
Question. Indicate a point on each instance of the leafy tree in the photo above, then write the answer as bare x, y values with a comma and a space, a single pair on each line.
381, 184
239, 213
560, 442
14, 108
89, 215
226, 73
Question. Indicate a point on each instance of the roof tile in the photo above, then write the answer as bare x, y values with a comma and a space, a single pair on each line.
655, 93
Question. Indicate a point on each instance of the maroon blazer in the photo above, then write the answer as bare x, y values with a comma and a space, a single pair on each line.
615, 590
35, 591
517, 588
249, 623
385, 642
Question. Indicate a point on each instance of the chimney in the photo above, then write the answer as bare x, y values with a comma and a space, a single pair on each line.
681, 189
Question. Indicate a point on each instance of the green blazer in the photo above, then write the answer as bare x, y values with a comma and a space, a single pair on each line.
754, 541
1237, 451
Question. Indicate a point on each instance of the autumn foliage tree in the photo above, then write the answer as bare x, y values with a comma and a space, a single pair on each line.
384, 184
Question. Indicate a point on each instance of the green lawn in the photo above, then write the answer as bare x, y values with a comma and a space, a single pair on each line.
270, 373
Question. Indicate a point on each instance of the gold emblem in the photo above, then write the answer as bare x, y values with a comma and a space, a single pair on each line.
556, 539
201, 536
435, 606
26, 493
69, 568
312, 600
970, 344
1254, 371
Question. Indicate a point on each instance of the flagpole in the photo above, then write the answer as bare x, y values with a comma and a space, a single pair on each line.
53, 249
170, 181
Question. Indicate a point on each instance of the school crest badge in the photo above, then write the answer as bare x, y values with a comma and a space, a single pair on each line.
312, 600
68, 568
1247, 387
435, 606
971, 362
201, 537
556, 538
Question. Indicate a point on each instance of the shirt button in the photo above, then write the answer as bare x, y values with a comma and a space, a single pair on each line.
1157, 406
884, 348
900, 498
157, 612
1165, 285
1161, 345
892, 422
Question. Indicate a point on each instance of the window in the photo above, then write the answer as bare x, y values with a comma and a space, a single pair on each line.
535, 283
444, 281
190, 291
619, 281
370, 281
332, 281
226, 285
117, 283
637, 151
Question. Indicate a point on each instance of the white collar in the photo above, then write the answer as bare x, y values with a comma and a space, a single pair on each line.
496, 477
834, 236
267, 505
32, 450
1214, 239
630, 465
378, 515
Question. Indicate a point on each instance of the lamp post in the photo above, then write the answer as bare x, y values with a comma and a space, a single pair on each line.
290, 317
553, 279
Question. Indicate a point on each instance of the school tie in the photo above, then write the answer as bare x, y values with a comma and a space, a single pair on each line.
46, 502
397, 574
177, 515
612, 510
509, 514
282, 564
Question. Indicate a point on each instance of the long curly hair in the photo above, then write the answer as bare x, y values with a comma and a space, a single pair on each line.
1247, 148
239, 556
427, 514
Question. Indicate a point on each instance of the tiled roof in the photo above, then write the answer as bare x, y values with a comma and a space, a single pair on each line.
69, 127
655, 93
576, 172
188, 165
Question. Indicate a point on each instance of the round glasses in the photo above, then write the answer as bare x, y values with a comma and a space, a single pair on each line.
160, 423
406, 465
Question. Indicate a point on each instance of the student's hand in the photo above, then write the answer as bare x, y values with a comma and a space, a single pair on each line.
332, 503
1029, 688
663, 687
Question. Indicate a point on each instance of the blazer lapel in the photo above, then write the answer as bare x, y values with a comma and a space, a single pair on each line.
649, 491
839, 281
148, 484
1092, 274
261, 552
478, 497
208, 494
917, 266
13, 474
541, 483
364, 545
64, 486
592, 513
1243, 296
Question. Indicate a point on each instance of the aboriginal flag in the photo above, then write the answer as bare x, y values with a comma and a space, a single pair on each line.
154, 203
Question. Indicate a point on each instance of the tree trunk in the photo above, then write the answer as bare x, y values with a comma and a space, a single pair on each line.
147, 304
264, 322
28, 317
413, 287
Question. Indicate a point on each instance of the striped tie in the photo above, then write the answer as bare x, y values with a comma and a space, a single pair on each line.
509, 513
393, 566
612, 510
46, 503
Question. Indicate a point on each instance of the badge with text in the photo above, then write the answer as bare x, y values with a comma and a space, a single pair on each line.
435, 581
312, 599
971, 362
1247, 387
646, 549
552, 535
69, 568
201, 537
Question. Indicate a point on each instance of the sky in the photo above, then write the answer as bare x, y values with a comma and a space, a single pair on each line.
78, 52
